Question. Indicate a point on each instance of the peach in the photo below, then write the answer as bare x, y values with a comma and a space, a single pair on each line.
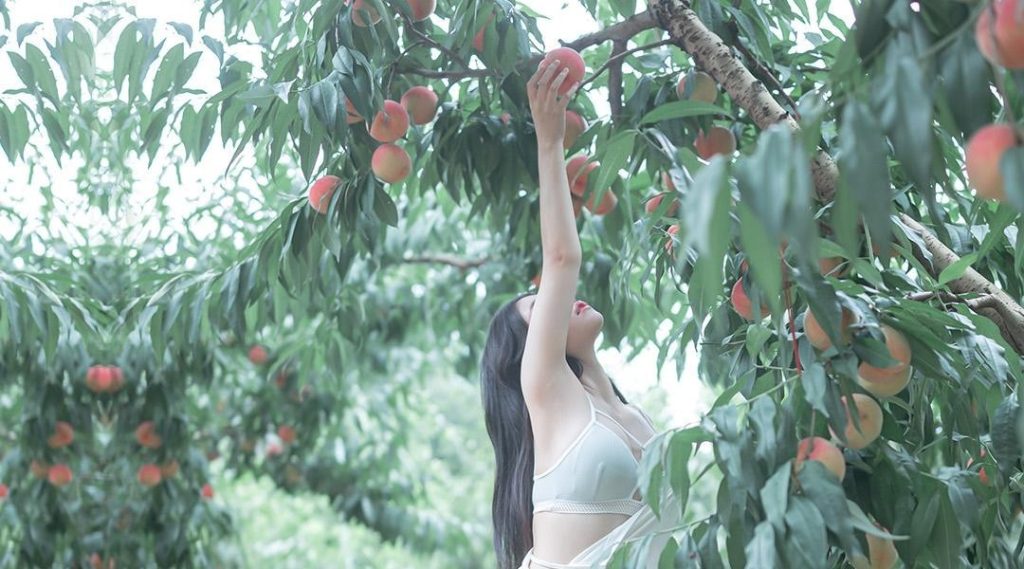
421, 104
653, 203
206, 492
816, 334
578, 172
391, 163
704, 87
718, 140
898, 348
4, 491
422, 9
320, 194
506, 118
882, 553
1001, 41
741, 302
666, 180
568, 58
359, 9
608, 203
116, 378
149, 475
170, 469
478, 39
870, 415
832, 266
817, 448
274, 449
889, 386
287, 434
258, 355
982, 155
63, 435
99, 379
391, 123
59, 475
147, 436
672, 231
575, 125
351, 115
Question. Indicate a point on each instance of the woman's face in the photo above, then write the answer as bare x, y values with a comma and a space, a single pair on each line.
585, 323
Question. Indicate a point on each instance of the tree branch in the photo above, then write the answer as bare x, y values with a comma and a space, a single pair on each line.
620, 55
462, 264
615, 78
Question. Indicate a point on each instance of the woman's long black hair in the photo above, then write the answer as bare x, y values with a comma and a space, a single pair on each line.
508, 425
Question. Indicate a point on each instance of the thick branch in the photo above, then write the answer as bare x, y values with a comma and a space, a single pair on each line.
623, 30
713, 56
615, 78
462, 264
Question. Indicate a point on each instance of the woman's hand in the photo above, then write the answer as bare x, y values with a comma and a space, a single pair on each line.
547, 106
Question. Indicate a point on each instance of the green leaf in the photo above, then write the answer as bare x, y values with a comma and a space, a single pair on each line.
1011, 166
864, 169
682, 109
761, 549
957, 269
775, 495
26, 30
806, 542
822, 487
613, 159
165, 74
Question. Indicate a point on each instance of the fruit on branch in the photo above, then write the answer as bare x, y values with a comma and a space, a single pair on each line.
286, 434
833, 266
206, 492
116, 378
575, 125
567, 58
39, 469
505, 118
147, 436
742, 305
478, 39
63, 435
391, 163
870, 415
273, 449
999, 32
823, 451
4, 491
816, 334
59, 475
391, 123
421, 104
889, 386
899, 350
672, 231
422, 9
666, 180
653, 203
149, 475
983, 152
102, 379
351, 115
360, 9
608, 203
718, 140
320, 194
258, 354
578, 171
881, 551
704, 87
170, 469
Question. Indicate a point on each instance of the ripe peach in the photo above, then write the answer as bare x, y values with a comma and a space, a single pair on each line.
741, 302
898, 348
59, 475
320, 194
568, 58
99, 379
149, 475
391, 163
983, 152
478, 39
421, 104
889, 386
575, 125
882, 553
655, 202
578, 171
832, 266
1003, 42
206, 492
672, 231
391, 122
360, 9
258, 355
147, 436
816, 334
666, 180
718, 140
422, 9
505, 118
351, 115
273, 449
4, 491
817, 448
39, 469
870, 415
116, 378
63, 435
287, 434
170, 469
704, 88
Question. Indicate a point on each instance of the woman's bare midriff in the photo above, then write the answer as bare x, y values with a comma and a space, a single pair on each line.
559, 537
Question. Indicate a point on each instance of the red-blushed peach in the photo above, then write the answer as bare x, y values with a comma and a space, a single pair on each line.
149, 475
361, 9
653, 203
898, 348
816, 334
666, 180
258, 355
870, 414
422, 9
147, 436
99, 379
320, 193
4, 491
982, 155
478, 39
881, 551
421, 104
578, 171
569, 58
390, 123
206, 492
391, 163
575, 125
63, 435
741, 302
704, 88
1001, 40
889, 386
286, 434
59, 475
608, 203
351, 115
817, 448
833, 266
718, 140
672, 231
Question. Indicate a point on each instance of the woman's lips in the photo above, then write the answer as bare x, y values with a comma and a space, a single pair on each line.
581, 306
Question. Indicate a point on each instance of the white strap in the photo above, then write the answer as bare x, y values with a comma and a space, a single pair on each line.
626, 507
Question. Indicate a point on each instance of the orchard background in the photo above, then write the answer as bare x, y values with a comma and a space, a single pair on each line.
162, 332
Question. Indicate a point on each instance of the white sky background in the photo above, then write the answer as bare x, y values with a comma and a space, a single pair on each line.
686, 396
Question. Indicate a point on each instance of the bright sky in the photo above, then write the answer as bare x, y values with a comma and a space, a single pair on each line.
686, 396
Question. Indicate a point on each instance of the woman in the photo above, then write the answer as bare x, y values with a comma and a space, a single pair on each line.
567, 443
